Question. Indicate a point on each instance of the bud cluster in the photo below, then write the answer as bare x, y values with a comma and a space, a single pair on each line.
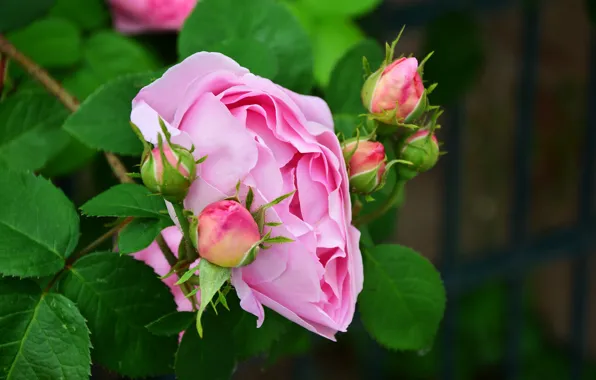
399, 110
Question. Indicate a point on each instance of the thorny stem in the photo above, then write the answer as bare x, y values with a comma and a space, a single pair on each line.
54, 88
71, 103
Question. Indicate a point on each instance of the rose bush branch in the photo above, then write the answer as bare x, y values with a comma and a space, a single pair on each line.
54, 88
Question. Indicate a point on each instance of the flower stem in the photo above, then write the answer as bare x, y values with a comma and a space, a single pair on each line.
392, 201
54, 88
185, 227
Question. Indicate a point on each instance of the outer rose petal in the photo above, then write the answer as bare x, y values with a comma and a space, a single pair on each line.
165, 94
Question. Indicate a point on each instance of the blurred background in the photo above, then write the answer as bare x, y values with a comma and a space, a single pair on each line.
508, 214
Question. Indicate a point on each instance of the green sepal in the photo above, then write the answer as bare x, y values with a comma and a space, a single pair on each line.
212, 277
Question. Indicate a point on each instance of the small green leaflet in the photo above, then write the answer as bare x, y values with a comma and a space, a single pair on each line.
126, 200
43, 335
102, 120
50, 42
119, 296
211, 278
39, 227
140, 233
30, 122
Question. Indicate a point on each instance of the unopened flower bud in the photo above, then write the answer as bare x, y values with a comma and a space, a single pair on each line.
226, 234
366, 164
395, 93
422, 150
169, 171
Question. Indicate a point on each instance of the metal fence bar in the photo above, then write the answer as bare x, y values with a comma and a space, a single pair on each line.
451, 230
521, 193
499, 263
585, 212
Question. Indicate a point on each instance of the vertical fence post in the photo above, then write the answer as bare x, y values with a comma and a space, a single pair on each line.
451, 237
521, 188
585, 212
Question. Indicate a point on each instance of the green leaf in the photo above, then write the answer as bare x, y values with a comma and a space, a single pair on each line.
111, 55
458, 58
30, 122
39, 227
73, 156
403, 299
103, 119
347, 78
340, 7
263, 26
119, 296
211, 278
171, 324
14, 15
51, 42
331, 40
42, 336
211, 357
140, 233
87, 15
259, 59
126, 199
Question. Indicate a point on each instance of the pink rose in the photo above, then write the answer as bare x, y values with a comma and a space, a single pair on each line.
276, 142
137, 16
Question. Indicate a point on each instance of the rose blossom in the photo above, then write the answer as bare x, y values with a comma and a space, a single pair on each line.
276, 142
137, 16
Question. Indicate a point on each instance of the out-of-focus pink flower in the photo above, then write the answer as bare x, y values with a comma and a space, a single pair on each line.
276, 142
138, 16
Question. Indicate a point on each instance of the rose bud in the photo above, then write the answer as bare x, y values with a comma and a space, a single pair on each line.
422, 150
366, 164
169, 171
395, 93
226, 234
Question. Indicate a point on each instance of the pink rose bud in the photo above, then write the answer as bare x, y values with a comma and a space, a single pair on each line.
226, 234
395, 93
169, 171
422, 150
366, 164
